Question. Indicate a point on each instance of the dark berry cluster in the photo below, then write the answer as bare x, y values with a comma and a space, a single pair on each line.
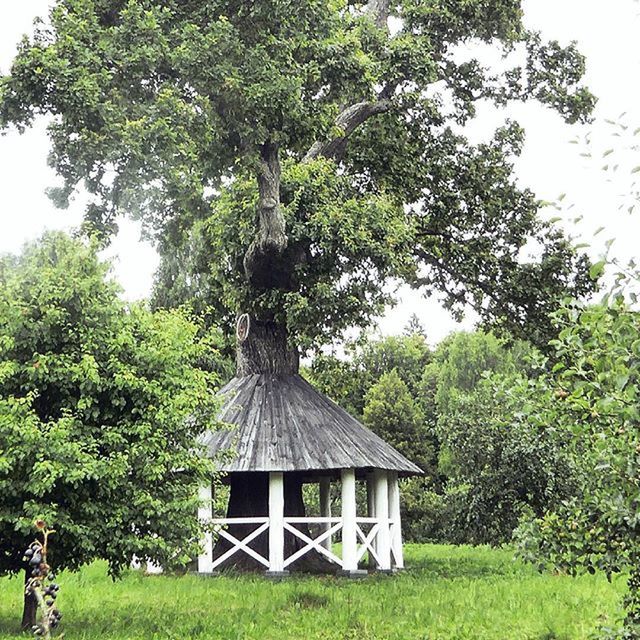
36, 558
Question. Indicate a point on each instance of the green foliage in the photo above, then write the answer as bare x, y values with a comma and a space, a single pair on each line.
393, 414
462, 359
500, 461
161, 110
100, 407
592, 404
448, 593
457, 413
494, 464
345, 237
424, 511
349, 380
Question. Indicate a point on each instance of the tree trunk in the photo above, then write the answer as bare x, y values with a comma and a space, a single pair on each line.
264, 265
266, 350
30, 607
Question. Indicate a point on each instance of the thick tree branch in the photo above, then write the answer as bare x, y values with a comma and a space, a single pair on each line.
355, 115
271, 239
348, 121
379, 9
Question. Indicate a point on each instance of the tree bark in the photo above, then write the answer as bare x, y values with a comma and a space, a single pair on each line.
30, 607
264, 264
266, 350
348, 121
379, 9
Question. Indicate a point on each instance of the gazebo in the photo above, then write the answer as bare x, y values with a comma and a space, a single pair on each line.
284, 434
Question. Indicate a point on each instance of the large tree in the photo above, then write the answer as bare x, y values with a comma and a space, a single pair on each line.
99, 410
291, 159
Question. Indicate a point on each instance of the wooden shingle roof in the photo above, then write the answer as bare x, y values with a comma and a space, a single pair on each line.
281, 423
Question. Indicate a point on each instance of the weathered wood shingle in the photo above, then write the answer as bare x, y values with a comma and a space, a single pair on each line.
281, 423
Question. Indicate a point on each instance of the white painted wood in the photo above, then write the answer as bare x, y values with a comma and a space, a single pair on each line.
276, 521
396, 523
205, 515
371, 513
153, 569
349, 531
371, 505
383, 539
368, 544
249, 520
316, 544
367, 520
149, 568
325, 509
311, 520
241, 545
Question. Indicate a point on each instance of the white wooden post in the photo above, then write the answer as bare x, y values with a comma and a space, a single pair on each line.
371, 513
349, 532
205, 514
325, 509
153, 569
397, 556
276, 524
371, 503
381, 500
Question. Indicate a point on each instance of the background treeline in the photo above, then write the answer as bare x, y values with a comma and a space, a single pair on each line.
453, 410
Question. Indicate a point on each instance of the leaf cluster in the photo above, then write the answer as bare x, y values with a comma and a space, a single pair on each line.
100, 407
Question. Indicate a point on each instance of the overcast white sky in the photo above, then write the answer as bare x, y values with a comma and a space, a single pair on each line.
551, 164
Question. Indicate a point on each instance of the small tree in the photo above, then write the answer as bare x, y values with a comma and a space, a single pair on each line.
593, 405
349, 380
100, 407
500, 460
461, 360
392, 413
414, 327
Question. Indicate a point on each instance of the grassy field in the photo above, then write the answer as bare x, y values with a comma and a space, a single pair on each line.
447, 592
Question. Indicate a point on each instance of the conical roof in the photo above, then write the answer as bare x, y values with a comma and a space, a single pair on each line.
281, 423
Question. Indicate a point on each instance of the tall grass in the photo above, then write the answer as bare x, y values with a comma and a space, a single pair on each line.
446, 593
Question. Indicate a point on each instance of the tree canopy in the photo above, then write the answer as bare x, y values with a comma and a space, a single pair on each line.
100, 407
293, 159
393, 414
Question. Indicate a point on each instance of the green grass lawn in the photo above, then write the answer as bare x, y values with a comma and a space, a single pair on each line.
447, 592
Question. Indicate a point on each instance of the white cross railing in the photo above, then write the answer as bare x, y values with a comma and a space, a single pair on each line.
335, 524
379, 535
219, 525
369, 538
366, 539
